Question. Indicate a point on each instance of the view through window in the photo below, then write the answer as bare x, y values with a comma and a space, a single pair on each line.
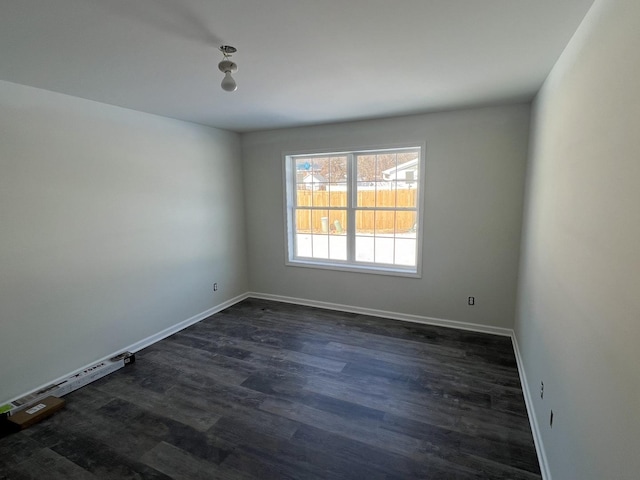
355, 209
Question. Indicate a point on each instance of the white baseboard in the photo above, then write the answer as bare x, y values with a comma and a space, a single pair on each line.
506, 332
135, 347
528, 400
167, 332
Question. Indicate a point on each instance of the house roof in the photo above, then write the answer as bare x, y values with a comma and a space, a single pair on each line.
403, 166
314, 177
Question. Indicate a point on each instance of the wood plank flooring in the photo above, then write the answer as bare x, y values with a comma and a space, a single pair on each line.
267, 390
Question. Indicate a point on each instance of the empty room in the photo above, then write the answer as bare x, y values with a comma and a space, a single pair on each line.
319, 240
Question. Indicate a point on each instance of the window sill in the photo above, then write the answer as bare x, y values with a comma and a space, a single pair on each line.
343, 267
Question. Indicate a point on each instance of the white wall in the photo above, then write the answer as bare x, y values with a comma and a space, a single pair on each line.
475, 166
114, 225
578, 322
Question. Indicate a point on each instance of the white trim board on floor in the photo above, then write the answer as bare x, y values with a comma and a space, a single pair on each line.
533, 421
406, 317
145, 342
167, 332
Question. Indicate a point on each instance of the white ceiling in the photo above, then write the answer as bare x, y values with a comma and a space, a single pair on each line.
300, 61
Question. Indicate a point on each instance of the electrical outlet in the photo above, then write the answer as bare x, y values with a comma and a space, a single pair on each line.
541, 389
551, 420
471, 300
215, 287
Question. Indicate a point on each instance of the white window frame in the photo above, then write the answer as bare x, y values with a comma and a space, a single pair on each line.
350, 265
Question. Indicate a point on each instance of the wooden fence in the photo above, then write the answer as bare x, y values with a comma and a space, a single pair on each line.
380, 221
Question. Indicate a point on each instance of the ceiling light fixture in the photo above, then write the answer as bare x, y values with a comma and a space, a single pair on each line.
228, 67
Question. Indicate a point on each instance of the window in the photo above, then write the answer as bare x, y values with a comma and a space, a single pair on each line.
356, 210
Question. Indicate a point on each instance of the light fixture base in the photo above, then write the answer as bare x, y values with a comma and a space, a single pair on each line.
227, 66
228, 50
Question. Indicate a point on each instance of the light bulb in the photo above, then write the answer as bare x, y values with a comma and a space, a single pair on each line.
228, 83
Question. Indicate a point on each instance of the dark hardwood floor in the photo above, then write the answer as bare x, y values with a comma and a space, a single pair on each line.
267, 390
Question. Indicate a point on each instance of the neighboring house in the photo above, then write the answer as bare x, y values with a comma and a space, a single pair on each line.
406, 174
315, 181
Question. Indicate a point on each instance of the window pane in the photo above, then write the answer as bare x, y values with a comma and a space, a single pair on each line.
366, 177
304, 197
303, 221
303, 167
320, 221
367, 196
365, 222
405, 253
320, 182
386, 194
385, 222
407, 178
303, 245
406, 223
384, 249
338, 195
407, 196
322, 197
384, 168
337, 172
338, 222
338, 247
320, 246
365, 249
383, 161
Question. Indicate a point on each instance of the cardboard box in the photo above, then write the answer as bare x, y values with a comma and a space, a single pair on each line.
78, 380
36, 412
